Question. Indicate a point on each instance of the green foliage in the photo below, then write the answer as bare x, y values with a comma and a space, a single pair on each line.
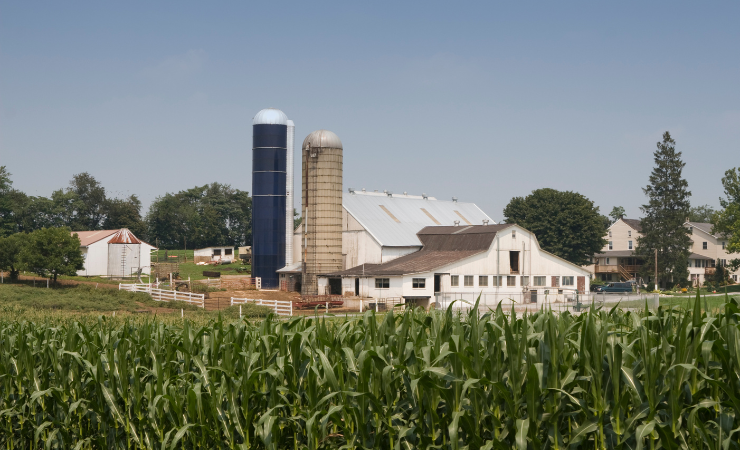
52, 252
88, 207
617, 213
6, 206
566, 224
82, 298
727, 221
214, 214
702, 214
664, 217
440, 380
124, 213
10, 251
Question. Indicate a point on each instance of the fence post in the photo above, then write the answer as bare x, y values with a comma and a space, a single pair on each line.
327, 307
291, 308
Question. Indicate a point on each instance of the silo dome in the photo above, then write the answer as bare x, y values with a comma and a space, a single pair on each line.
270, 116
322, 139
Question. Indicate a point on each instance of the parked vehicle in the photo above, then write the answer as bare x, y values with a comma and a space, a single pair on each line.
615, 288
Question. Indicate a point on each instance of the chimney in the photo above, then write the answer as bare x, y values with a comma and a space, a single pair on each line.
485, 222
454, 199
457, 223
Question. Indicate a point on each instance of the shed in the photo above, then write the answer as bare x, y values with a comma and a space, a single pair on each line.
215, 253
113, 253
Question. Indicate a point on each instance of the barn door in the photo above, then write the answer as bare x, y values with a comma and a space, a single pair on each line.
581, 284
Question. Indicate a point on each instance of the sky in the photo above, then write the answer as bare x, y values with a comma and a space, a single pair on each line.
483, 101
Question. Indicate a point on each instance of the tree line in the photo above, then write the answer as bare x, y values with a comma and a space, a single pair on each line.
214, 214
570, 226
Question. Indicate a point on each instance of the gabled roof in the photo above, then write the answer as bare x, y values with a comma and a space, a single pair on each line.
394, 220
442, 246
90, 237
634, 223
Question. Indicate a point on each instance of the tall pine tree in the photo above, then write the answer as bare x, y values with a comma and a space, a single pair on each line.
665, 214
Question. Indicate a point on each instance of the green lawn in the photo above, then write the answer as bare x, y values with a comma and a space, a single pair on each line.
196, 272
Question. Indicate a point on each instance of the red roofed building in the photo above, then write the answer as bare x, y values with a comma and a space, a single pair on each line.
113, 253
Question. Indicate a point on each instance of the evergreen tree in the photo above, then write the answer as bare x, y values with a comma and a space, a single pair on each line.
664, 216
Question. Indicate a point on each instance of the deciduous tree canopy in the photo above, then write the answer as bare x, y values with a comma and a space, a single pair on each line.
52, 252
566, 224
727, 221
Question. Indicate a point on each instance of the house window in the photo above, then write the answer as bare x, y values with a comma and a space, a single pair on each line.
418, 283
382, 283
483, 280
734, 278
511, 281
216, 252
610, 234
630, 245
496, 281
607, 260
540, 281
455, 280
468, 281
704, 245
567, 281
525, 281
611, 247
629, 233
723, 245
513, 234
228, 251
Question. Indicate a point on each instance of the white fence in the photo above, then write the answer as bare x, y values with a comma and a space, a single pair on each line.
281, 307
162, 295
562, 300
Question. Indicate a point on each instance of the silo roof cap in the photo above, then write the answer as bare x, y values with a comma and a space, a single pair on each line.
322, 139
270, 116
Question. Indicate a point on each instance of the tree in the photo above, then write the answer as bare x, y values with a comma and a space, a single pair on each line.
727, 221
120, 213
88, 205
6, 205
617, 213
214, 214
566, 224
703, 214
10, 250
52, 252
664, 216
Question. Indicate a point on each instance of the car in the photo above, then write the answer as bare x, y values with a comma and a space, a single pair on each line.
615, 288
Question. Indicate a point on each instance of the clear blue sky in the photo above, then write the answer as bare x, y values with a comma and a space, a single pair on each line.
482, 101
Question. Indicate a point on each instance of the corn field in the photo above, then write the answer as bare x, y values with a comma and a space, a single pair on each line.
441, 380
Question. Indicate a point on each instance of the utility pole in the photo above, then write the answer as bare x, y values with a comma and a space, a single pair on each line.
656, 269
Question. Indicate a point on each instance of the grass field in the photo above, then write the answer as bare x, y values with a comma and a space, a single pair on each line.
442, 380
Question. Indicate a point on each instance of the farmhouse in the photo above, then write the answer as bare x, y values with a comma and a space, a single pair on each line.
113, 253
219, 253
498, 262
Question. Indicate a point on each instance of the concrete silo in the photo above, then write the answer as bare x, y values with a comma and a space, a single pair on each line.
322, 207
269, 169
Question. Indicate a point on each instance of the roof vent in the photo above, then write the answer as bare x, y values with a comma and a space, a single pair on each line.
385, 191
457, 223
424, 196
485, 222
454, 199
351, 190
390, 194
405, 193
363, 189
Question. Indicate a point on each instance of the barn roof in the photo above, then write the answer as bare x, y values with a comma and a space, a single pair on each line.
442, 246
124, 236
395, 220
91, 237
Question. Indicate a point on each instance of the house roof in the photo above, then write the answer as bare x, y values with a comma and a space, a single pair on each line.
90, 237
441, 246
698, 256
395, 220
615, 254
634, 223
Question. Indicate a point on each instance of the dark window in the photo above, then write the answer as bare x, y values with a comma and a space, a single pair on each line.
419, 283
567, 281
217, 252
704, 245
382, 283
454, 280
227, 251
511, 281
514, 262
468, 280
483, 280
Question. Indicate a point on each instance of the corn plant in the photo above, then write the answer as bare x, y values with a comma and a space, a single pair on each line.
439, 380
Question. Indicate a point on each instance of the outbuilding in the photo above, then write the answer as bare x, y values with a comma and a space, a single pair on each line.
498, 262
217, 253
113, 253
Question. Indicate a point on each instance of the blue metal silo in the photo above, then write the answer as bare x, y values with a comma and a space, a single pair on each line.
269, 166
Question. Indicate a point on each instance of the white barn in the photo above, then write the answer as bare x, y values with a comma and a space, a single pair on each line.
216, 253
378, 227
113, 253
499, 262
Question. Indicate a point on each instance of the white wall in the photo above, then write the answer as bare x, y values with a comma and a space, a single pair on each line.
96, 261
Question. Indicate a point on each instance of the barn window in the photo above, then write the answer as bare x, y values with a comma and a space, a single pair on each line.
483, 280
567, 281
418, 283
468, 281
455, 280
511, 281
525, 281
216, 252
227, 251
496, 281
382, 283
514, 262
540, 281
